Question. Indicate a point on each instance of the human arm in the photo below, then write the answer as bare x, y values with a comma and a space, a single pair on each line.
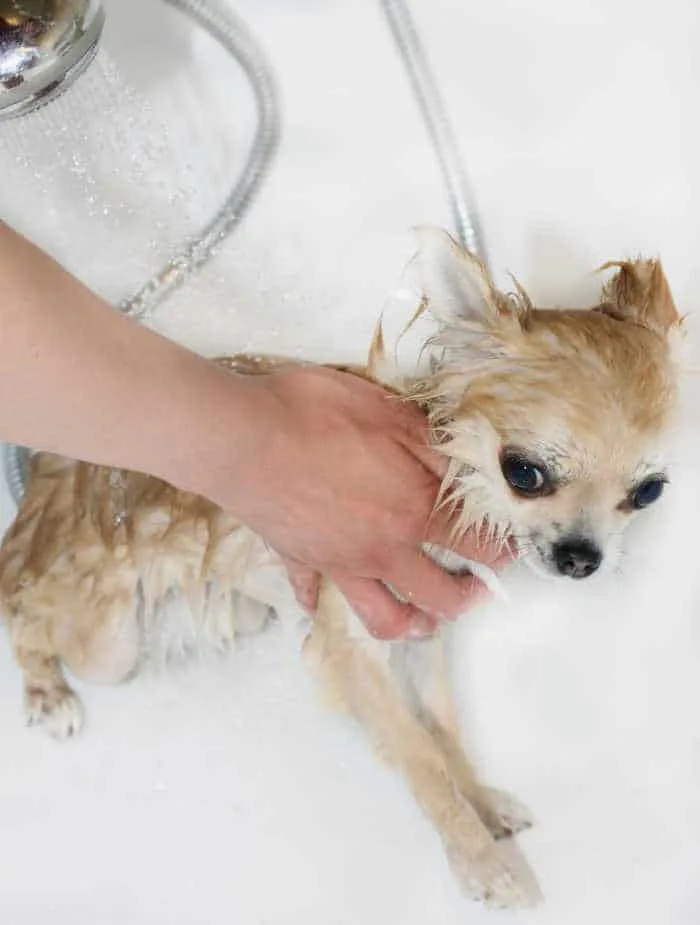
332, 471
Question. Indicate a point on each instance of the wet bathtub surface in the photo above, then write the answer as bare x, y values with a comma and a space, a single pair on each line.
223, 792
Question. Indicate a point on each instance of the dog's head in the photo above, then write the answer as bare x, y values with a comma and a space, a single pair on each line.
555, 422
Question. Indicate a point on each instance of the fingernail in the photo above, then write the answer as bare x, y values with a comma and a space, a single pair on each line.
420, 627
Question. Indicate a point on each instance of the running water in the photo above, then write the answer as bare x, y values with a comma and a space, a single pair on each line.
94, 178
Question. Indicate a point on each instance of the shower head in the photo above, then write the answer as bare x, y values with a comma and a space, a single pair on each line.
44, 46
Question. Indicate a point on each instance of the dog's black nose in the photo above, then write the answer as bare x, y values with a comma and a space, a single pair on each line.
577, 558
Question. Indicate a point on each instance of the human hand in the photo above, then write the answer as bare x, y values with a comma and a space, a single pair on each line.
340, 481
335, 474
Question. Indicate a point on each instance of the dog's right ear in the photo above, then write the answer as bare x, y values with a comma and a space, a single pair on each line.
456, 286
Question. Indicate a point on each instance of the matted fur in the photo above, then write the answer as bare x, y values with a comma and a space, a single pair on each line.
95, 555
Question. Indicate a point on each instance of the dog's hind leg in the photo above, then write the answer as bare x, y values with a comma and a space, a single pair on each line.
357, 679
48, 699
89, 623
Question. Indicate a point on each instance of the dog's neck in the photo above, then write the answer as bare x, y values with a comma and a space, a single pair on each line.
464, 490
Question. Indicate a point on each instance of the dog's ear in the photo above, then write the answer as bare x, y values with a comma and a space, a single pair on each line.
456, 286
639, 292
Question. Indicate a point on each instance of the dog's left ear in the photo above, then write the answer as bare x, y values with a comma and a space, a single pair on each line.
456, 286
639, 292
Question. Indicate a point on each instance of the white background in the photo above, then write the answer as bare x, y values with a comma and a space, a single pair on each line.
223, 792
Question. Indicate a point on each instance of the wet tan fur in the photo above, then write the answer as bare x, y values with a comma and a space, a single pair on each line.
88, 543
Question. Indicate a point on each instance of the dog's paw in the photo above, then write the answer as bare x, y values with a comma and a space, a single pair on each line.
58, 710
490, 879
502, 814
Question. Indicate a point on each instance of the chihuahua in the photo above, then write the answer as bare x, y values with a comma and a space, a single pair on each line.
555, 424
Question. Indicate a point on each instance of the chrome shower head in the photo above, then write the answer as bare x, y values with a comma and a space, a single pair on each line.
44, 46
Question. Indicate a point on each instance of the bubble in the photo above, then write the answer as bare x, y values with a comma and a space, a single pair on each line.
96, 179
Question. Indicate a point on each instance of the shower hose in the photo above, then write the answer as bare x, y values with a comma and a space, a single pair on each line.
234, 36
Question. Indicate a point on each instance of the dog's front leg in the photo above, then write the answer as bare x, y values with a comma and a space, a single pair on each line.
356, 678
421, 671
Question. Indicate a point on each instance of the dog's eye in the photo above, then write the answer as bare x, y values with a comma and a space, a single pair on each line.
523, 476
647, 493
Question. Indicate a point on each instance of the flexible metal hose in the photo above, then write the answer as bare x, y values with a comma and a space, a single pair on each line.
16, 468
464, 214
234, 36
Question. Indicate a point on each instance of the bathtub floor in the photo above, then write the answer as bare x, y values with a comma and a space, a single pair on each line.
223, 792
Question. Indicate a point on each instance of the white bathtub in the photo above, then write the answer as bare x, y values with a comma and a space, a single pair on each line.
223, 793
